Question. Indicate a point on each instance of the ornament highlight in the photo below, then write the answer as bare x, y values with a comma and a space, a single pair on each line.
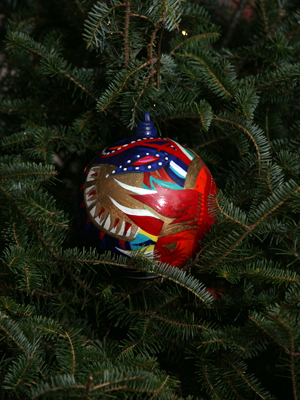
149, 194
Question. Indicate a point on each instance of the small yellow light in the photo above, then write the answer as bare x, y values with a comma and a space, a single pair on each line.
154, 105
24, 133
184, 33
108, 23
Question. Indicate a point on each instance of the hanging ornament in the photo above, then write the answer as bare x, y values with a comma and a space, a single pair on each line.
148, 194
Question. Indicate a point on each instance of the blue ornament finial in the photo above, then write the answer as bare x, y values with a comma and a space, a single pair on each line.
145, 128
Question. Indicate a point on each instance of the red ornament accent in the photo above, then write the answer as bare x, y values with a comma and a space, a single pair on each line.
146, 160
102, 234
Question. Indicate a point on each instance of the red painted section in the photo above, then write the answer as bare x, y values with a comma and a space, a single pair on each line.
127, 226
181, 205
148, 224
146, 179
101, 212
122, 243
145, 160
82, 205
164, 176
92, 193
154, 174
183, 251
102, 234
206, 185
116, 223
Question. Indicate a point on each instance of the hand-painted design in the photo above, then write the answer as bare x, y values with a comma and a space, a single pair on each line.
147, 155
147, 194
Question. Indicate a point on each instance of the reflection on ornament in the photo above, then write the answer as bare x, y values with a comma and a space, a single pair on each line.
150, 194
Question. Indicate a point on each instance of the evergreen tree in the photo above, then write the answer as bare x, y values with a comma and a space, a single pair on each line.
219, 77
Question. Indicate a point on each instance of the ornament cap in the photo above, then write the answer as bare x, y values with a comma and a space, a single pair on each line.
145, 129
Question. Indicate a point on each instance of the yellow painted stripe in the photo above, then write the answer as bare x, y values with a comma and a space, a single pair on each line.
152, 237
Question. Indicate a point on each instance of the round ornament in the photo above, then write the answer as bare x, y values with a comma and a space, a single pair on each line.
149, 194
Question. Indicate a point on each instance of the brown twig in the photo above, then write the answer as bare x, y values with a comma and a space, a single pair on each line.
126, 34
159, 57
242, 4
151, 45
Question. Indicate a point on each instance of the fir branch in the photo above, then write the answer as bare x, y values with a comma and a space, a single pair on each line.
211, 73
181, 278
78, 84
57, 66
293, 374
280, 196
26, 105
205, 114
142, 16
247, 381
57, 383
16, 139
211, 141
115, 89
13, 332
142, 91
270, 273
23, 373
81, 283
247, 131
73, 352
201, 110
288, 73
205, 36
77, 2
16, 235
29, 220
255, 320
146, 326
23, 41
263, 15
229, 381
43, 175
52, 64
158, 391
235, 244
178, 323
172, 22
96, 27
29, 173
217, 205
207, 379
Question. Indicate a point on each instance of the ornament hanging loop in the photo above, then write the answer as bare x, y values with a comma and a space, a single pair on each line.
145, 129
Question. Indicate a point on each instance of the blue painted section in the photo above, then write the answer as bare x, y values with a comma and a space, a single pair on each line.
141, 240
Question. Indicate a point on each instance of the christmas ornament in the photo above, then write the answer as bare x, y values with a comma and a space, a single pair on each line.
148, 194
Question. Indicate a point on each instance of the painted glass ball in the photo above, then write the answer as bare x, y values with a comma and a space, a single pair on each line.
147, 193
